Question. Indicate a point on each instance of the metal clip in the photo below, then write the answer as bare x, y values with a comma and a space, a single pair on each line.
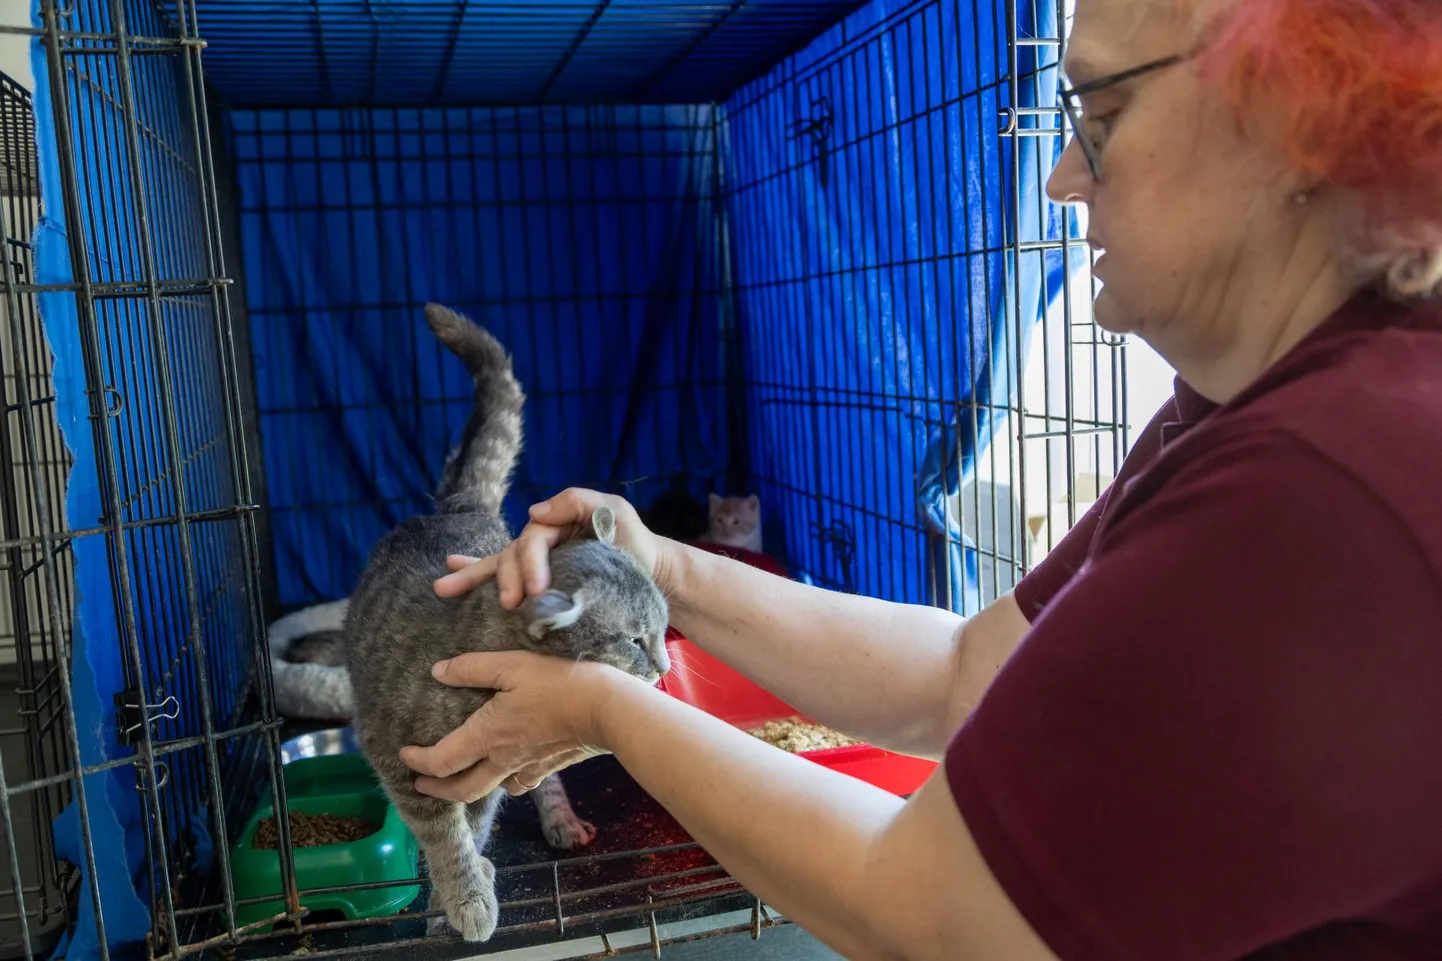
131, 713
112, 407
162, 777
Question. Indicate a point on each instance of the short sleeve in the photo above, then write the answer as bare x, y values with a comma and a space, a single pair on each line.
1045, 581
1224, 732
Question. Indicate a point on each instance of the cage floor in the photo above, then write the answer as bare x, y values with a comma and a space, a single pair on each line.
641, 867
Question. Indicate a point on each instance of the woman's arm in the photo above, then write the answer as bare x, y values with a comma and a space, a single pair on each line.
900, 676
873, 876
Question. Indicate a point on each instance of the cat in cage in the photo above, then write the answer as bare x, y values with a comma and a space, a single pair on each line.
601, 606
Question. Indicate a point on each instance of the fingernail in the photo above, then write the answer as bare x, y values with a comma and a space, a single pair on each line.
439, 670
538, 509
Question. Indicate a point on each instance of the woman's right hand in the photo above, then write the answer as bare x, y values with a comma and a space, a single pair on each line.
523, 569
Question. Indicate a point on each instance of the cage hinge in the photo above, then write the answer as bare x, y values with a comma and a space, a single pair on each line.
131, 713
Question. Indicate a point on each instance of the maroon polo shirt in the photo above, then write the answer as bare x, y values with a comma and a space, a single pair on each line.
1222, 738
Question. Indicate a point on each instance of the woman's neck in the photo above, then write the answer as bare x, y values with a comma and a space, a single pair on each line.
1256, 333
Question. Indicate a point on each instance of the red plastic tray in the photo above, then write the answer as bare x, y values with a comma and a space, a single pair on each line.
704, 682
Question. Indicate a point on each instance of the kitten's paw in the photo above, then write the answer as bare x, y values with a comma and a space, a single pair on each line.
565, 831
478, 912
474, 919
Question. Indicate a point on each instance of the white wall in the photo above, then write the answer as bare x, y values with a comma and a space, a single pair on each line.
15, 48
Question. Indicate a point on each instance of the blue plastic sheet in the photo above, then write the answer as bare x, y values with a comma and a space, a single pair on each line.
583, 238
872, 210
97, 673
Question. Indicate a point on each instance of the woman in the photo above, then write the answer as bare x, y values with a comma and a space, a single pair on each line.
1218, 730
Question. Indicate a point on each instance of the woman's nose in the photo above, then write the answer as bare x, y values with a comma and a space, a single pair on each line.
1071, 180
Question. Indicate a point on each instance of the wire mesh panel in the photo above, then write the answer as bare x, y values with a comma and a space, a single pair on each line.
34, 634
585, 239
147, 658
348, 52
896, 260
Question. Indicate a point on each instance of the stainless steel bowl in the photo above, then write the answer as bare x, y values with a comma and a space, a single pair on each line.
337, 740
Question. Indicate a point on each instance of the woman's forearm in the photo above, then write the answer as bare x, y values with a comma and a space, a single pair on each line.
793, 833
884, 672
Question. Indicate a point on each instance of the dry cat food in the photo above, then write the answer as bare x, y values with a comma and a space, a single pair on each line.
797, 736
313, 830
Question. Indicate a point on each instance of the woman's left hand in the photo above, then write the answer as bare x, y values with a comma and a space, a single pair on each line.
542, 719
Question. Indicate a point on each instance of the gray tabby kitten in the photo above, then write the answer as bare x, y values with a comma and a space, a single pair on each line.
601, 606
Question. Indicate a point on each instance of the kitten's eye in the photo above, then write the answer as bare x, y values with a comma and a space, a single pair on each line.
639, 641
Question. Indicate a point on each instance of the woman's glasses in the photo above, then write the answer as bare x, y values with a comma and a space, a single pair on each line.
1071, 105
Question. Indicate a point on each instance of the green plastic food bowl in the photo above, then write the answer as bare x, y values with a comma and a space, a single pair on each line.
338, 784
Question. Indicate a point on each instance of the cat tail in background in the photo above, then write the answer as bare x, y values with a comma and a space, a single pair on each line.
478, 472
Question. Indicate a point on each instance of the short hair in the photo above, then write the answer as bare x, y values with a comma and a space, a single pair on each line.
1354, 88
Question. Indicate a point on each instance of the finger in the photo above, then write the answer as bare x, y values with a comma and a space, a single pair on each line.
480, 669
533, 557
573, 505
530, 777
467, 579
508, 579
455, 752
468, 786
459, 562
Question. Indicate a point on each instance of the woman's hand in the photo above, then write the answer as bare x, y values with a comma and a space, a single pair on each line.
543, 718
523, 568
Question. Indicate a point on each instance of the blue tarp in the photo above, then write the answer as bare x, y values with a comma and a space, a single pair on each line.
583, 238
871, 208
137, 625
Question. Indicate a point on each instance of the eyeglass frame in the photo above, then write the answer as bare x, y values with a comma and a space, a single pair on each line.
1073, 115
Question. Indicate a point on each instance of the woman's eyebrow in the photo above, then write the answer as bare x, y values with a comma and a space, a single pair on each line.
1079, 65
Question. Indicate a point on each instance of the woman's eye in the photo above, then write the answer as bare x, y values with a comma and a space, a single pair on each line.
1099, 126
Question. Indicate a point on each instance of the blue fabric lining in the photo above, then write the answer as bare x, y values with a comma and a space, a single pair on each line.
96, 676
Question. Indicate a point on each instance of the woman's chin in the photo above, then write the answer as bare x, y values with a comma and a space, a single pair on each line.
1110, 315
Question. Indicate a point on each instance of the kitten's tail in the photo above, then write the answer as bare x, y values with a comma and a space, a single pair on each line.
478, 472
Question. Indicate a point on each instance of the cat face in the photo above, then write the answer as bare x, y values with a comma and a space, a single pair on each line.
735, 515
601, 607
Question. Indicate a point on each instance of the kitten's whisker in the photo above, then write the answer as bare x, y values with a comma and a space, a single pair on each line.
688, 671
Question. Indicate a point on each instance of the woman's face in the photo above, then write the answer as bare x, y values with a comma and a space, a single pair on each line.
1195, 218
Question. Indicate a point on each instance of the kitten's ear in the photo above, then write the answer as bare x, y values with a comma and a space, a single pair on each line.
552, 611
715, 501
603, 524
754, 502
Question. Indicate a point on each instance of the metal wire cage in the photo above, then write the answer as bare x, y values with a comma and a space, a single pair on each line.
849, 279
126, 479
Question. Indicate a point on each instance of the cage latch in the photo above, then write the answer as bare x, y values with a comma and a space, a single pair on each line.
131, 713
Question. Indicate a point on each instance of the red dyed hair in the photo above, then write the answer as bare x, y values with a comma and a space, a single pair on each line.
1356, 87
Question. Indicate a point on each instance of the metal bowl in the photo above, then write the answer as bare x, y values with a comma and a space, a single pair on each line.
336, 740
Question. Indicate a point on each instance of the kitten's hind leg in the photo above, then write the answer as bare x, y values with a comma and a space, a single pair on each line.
464, 881
559, 823
482, 816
